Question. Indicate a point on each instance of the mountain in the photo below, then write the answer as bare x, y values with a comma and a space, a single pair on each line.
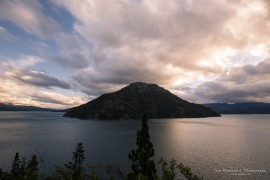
11, 107
240, 108
132, 101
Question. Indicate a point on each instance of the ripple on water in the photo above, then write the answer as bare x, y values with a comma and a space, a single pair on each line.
233, 142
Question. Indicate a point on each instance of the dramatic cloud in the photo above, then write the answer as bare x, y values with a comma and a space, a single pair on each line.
41, 79
24, 87
244, 84
202, 50
54, 98
24, 95
170, 43
35, 78
15, 69
28, 15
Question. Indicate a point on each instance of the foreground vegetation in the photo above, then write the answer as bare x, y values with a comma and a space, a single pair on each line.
143, 166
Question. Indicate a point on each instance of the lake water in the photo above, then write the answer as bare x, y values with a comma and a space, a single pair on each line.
211, 146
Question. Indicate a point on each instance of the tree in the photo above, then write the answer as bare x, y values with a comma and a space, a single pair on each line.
32, 168
168, 169
21, 170
143, 167
186, 171
76, 167
15, 170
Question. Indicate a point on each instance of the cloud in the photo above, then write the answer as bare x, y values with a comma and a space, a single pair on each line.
16, 70
5, 34
250, 73
169, 43
28, 15
22, 62
23, 95
73, 53
243, 84
111, 77
70, 60
22, 86
55, 98
203, 50
41, 79
35, 78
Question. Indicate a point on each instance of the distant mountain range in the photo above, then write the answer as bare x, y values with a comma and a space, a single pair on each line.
132, 101
240, 108
11, 107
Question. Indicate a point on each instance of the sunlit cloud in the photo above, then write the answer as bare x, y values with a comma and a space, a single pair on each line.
205, 51
17, 94
22, 62
185, 35
24, 87
56, 98
244, 84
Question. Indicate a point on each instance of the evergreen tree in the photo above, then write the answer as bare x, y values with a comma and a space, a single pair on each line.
32, 168
23, 168
15, 170
76, 168
143, 167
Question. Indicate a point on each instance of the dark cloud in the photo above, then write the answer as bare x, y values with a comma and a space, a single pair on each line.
47, 100
159, 42
246, 83
110, 77
34, 78
41, 79
250, 73
172, 43
55, 98
178, 32
242, 93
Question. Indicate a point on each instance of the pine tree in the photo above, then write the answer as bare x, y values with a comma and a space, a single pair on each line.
32, 168
143, 167
15, 170
23, 168
76, 168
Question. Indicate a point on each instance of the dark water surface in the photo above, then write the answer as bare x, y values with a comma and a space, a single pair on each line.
211, 146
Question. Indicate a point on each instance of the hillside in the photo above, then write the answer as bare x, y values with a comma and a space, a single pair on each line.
240, 108
11, 107
132, 101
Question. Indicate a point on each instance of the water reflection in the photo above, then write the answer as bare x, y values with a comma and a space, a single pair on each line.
230, 142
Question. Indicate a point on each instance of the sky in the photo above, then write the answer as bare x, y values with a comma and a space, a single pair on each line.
62, 53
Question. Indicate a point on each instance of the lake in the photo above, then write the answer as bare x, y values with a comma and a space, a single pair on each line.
213, 147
